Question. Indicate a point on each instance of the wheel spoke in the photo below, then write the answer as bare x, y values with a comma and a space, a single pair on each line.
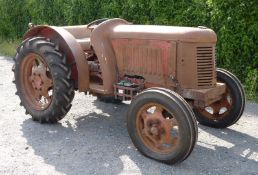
152, 139
226, 104
158, 109
216, 110
46, 95
166, 136
173, 122
144, 115
37, 95
34, 64
48, 83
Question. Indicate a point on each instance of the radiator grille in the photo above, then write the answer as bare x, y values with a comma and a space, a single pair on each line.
205, 66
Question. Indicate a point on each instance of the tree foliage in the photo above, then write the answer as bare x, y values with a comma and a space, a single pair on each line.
235, 22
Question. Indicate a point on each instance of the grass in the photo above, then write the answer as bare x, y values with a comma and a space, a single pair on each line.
255, 97
8, 47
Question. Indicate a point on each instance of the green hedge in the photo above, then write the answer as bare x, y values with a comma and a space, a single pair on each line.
235, 22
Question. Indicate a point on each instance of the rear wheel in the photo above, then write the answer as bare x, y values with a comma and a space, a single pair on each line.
43, 80
161, 126
229, 109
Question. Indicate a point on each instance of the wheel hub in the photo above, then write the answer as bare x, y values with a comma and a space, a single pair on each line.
154, 127
157, 129
154, 130
37, 81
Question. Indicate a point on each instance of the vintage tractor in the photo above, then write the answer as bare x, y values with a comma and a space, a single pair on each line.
168, 73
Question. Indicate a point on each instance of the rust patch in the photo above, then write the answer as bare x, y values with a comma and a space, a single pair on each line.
154, 125
148, 58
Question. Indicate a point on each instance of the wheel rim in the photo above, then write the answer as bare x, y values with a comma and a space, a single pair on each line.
157, 128
218, 110
36, 81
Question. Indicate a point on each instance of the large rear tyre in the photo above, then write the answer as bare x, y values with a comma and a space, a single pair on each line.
43, 80
229, 109
162, 126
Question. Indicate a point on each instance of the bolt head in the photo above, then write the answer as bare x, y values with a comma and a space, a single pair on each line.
154, 131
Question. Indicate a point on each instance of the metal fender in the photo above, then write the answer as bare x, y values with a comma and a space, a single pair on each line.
101, 42
73, 51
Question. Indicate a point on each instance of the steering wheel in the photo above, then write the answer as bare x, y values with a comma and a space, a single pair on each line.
96, 22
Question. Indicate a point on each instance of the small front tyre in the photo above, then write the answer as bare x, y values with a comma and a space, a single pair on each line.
229, 109
162, 126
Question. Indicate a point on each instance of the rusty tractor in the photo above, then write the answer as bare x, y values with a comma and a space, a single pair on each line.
168, 73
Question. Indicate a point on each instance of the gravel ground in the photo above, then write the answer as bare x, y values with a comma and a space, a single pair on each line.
92, 139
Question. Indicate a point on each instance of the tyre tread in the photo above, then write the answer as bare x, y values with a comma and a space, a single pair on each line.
61, 73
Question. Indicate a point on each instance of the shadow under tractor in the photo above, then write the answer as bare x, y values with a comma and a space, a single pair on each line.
168, 73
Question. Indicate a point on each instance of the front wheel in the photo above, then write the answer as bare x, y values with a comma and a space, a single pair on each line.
162, 126
229, 109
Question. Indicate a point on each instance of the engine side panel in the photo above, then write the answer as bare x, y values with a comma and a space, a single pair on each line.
155, 60
196, 68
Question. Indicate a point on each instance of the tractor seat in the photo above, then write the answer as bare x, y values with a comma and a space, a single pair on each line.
85, 43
